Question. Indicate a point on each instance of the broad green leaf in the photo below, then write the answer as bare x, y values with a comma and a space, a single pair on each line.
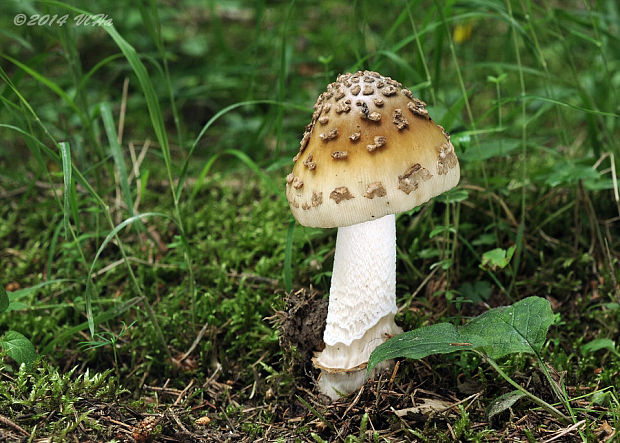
565, 173
490, 149
441, 338
18, 347
17, 306
503, 402
521, 327
497, 258
477, 291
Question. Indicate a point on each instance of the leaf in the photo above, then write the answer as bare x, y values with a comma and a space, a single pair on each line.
442, 338
521, 327
440, 230
65, 153
497, 258
484, 239
117, 155
453, 196
90, 287
18, 347
4, 299
477, 292
598, 344
491, 149
17, 306
503, 402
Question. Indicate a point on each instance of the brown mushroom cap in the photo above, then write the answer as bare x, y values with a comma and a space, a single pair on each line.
370, 150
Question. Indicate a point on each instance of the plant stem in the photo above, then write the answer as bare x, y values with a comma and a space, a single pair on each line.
539, 401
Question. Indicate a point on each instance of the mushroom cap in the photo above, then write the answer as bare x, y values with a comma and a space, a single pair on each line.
370, 150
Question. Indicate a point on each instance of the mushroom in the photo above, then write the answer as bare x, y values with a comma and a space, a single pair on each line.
396, 159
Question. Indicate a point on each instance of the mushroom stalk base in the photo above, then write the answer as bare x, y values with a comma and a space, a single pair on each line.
362, 304
337, 384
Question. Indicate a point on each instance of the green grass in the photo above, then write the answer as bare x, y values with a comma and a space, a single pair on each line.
141, 200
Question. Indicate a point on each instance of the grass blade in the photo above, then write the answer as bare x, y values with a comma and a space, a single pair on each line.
49, 84
117, 155
65, 153
213, 119
278, 190
103, 317
90, 288
152, 102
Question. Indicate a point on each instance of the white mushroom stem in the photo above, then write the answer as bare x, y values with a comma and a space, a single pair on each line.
362, 304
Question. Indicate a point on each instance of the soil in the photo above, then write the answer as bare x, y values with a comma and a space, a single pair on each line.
301, 326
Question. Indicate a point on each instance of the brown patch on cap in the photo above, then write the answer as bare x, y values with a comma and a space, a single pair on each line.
355, 136
343, 106
339, 155
391, 81
409, 181
378, 101
374, 116
389, 90
308, 163
368, 90
339, 94
305, 206
323, 119
355, 89
341, 193
329, 135
447, 158
317, 198
380, 141
407, 93
297, 183
417, 107
375, 189
398, 119
304, 141
289, 178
